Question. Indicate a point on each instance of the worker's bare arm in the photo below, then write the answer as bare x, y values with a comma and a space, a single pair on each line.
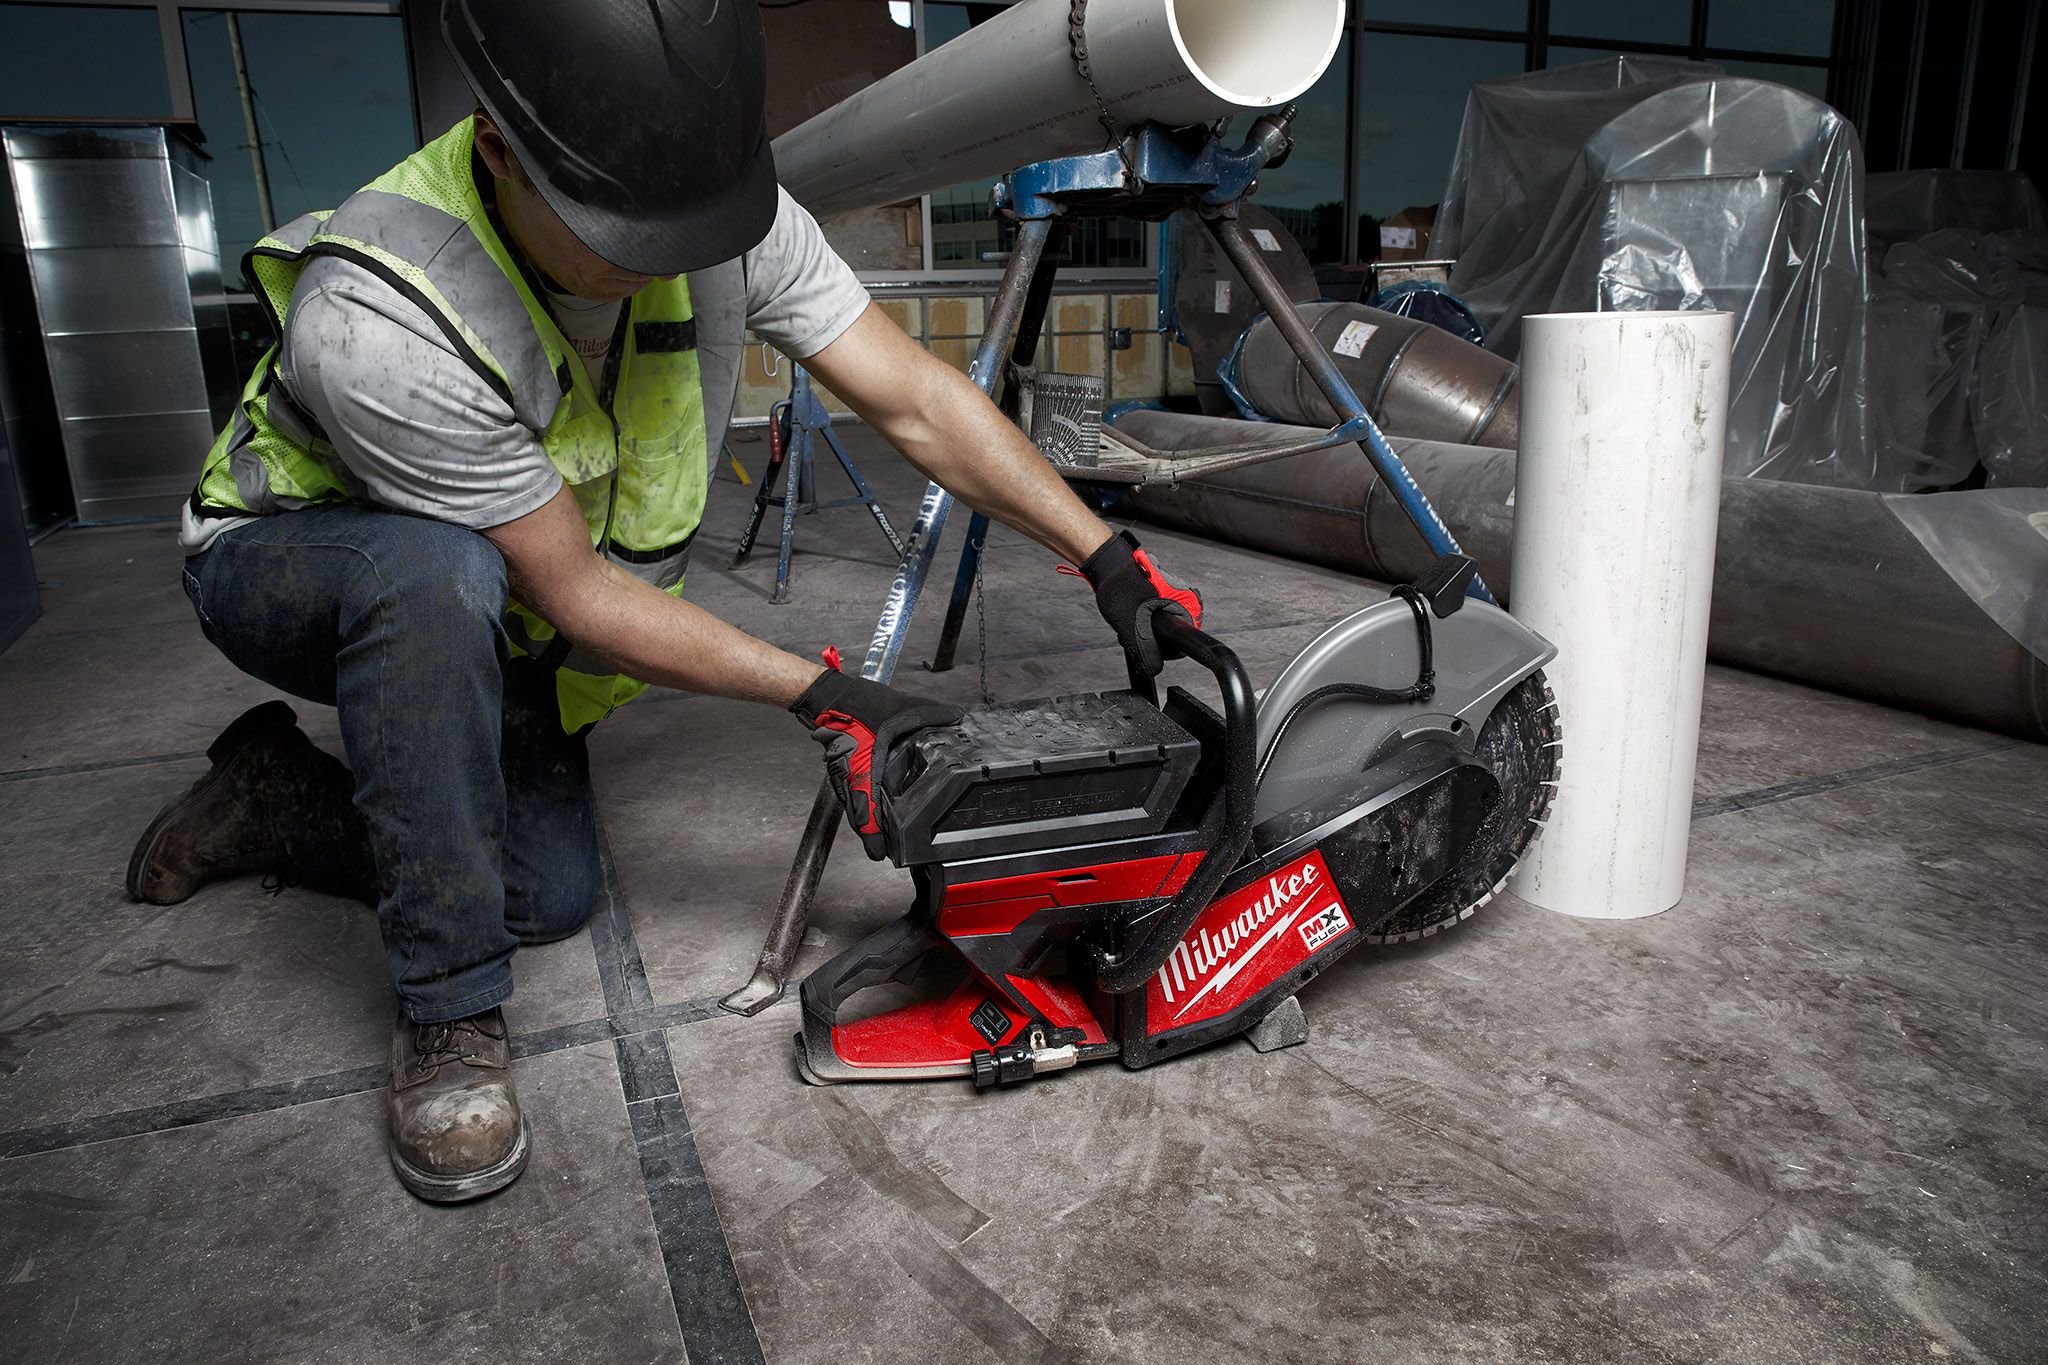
645, 633
945, 426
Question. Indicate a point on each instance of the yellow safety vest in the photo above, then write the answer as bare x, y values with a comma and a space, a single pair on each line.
637, 464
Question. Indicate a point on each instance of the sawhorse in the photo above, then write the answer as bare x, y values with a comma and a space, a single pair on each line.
795, 424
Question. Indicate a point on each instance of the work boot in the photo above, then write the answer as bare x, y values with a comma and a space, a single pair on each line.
456, 1130
274, 802
219, 828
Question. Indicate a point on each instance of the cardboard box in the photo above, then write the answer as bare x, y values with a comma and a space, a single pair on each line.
1404, 236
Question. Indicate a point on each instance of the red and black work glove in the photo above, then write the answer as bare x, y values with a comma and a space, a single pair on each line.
859, 722
1128, 588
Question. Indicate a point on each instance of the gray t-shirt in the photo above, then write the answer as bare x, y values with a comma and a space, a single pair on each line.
419, 431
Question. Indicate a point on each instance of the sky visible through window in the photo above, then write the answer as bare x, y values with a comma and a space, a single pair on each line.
334, 107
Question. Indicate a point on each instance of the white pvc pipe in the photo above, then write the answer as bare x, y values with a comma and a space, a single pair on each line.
1007, 93
1617, 492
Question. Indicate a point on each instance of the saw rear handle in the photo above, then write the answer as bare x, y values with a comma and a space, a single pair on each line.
1226, 824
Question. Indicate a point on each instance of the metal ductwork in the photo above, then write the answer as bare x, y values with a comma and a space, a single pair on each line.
1050, 78
1821, 585
1414, 378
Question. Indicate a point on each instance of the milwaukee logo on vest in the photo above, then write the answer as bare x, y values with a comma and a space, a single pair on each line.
1233, 933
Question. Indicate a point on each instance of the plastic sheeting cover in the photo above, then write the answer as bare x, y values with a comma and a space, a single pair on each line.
1959, 349
1994, 543
2011, 407
1637, 185
1519, 150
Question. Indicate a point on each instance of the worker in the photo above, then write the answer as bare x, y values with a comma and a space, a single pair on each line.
457, 498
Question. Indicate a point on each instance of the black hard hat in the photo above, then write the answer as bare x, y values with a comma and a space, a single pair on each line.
639, 121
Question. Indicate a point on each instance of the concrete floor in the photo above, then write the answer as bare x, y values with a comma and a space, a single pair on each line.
1799, 1117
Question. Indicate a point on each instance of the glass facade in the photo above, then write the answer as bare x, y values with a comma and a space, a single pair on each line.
1512, 14
82, 61
333, 106
1411, 104
1771, 26
1306, 193
1625, 21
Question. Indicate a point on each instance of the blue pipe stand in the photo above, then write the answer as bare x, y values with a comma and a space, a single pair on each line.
1151, 174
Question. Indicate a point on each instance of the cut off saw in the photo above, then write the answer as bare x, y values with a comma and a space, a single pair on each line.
1106, 876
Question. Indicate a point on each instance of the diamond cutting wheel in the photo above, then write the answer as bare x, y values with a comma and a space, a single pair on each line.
1520, 744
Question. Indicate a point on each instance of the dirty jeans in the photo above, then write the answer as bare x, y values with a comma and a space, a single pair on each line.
477, 809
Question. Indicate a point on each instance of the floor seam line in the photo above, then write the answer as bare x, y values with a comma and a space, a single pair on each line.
229, 1104
1821, 785
101, 766
712, 1314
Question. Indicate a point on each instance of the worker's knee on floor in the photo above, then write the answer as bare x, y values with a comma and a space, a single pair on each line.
555, 906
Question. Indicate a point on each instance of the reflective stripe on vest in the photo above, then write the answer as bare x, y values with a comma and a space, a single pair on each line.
638, 465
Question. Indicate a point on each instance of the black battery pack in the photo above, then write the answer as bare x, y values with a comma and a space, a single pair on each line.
1036, 774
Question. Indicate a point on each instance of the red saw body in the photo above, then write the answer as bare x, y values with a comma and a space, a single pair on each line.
1092, 882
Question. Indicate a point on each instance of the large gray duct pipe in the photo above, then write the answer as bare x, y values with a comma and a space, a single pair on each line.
1013, 91
1412, 377
1821, 585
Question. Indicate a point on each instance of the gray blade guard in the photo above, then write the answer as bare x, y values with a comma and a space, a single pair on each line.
1481, 653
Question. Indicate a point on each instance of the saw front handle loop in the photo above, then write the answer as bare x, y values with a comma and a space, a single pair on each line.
1226, 825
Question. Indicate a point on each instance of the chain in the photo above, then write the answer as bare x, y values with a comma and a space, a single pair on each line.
1077, 43
981, 620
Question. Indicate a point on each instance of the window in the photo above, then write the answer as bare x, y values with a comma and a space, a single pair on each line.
1500, 14
82, 61
1410, 109
332, 99
1307, 193
963, 230
1559, 55
1640, 21
1800, 27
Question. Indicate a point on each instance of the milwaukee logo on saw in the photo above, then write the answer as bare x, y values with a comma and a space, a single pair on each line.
1244, 942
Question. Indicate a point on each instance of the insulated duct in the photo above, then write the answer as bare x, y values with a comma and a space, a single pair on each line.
1413, 377
1821, 585
1048, 78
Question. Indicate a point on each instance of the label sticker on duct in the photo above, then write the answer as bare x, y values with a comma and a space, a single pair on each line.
1223, 296
1266, 240
1351, 341
1402, 238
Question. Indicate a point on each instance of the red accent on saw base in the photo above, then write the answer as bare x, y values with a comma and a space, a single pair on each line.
1061, 1005
1000, 904
929, 1033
